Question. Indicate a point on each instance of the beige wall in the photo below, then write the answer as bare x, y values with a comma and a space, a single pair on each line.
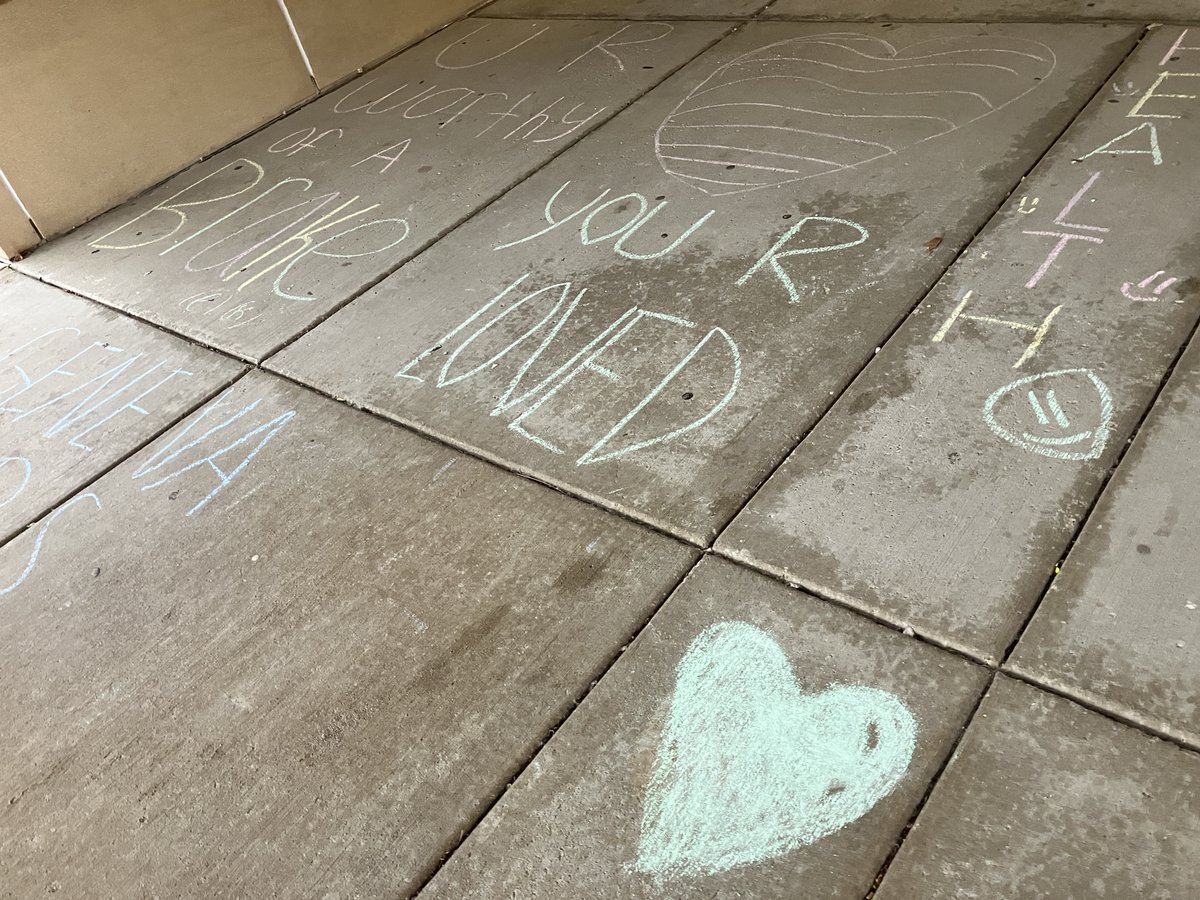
343, 36
104, 100
16, 231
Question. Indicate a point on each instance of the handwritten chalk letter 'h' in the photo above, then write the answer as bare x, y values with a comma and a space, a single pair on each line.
750, 768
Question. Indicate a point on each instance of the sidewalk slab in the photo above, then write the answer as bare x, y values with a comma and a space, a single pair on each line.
306, 680
654, 324
751, 739
627, 9
247, 249
81, 387
1120, 627
1044, 798
946, 484
989, 11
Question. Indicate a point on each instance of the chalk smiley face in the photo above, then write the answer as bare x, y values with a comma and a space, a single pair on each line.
750, 768
1066, 414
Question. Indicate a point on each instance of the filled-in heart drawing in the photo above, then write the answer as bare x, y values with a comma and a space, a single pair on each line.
849, 99
750, 767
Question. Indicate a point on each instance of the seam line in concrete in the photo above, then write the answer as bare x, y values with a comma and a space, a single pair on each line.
495, 198
933, 783
1112, 715
63, 499
522, 765
1083, 522
904, 317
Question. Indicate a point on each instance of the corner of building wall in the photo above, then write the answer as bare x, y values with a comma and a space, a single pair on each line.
13, 245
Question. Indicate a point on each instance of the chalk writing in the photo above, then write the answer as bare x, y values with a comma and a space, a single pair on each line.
1038, 331
469, 353
76, 394
776, 253
1151, 149
439, 60
186, 451
41, 537
305, 139
642, 213
1153, 94
1065, 237
25, 467
176, 451
723, 139
528, 122
1177, 48
298, 238
208, 303
1053, 439
1127, 288
605, 46
397, 151
749, 767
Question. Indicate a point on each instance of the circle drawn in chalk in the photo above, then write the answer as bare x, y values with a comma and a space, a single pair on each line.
1066, 414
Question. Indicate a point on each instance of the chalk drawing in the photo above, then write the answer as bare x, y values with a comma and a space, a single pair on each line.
1177, 48
1065, 237
771, 257
1053, 439
26, 468
724, 137
1039, 331
1026, 210
620, 234
605, 46
305, 139
41, 536
281, 251
750, 768
78, 393
559, 302
438, 60
1151, 149
1151, 94
1127, 288
400, 147
184, 441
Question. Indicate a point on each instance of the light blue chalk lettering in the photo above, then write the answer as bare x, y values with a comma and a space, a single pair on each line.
776, 253
41, 536
166, 454
594, 456
750, 768
552, 222
421, 357
27, 471
1151, 150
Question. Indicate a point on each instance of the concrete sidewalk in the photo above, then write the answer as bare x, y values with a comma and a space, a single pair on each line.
653, 450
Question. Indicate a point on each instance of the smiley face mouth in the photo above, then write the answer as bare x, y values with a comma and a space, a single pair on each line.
1058, 441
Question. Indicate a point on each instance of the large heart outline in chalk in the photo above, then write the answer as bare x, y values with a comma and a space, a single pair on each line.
749, 767
857, 99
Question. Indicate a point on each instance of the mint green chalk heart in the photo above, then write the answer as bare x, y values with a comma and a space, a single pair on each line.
750, 768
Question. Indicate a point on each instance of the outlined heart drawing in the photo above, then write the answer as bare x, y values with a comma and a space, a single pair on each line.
749, 767
853, 99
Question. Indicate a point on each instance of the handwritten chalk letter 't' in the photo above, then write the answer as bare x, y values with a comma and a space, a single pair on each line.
750, 768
